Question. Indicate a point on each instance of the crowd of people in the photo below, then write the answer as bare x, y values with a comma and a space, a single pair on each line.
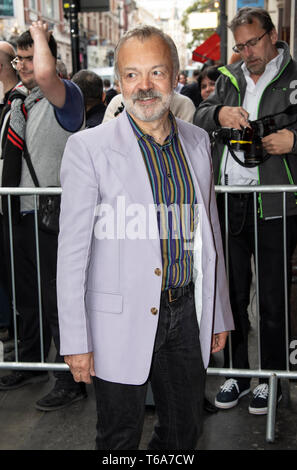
121, 312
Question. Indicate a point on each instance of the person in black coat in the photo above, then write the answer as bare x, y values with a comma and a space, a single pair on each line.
91, 86
110, 92
192, 90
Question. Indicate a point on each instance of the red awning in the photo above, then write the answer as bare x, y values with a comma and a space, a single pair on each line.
209, 49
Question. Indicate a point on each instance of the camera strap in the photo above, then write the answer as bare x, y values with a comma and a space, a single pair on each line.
234, 156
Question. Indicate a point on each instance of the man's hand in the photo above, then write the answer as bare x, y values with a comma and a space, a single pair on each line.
81, 366
44, 64
39, 29
219, 341
235, 117
279, 142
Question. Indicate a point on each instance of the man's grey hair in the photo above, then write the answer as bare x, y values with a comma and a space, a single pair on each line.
61, 69
247, 15
143, 32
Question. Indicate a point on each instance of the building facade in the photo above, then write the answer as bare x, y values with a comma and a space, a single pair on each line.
99, 32
172, 26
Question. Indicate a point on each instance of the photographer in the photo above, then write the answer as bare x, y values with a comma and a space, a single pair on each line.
256, 86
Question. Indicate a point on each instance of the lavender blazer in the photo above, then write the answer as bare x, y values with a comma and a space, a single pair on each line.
107, 282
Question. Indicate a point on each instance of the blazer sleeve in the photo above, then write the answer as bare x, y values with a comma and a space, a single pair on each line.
223, 319
78, 205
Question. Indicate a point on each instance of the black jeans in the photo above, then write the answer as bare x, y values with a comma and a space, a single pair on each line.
25, 267
271, 280
177, 379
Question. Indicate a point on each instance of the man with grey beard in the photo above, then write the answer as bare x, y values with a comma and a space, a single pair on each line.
259, 85
181, 107
130, 300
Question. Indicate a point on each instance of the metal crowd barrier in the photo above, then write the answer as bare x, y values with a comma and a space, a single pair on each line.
272, 375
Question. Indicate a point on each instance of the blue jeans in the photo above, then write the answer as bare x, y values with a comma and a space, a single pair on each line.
177, 379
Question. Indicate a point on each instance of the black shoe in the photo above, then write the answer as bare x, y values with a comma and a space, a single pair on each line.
209, 407
60, 398
18, 379
259, 402
230, 393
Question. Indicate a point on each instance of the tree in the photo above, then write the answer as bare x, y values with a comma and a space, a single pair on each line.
198, 35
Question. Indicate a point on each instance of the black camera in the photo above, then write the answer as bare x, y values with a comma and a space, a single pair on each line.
249, 139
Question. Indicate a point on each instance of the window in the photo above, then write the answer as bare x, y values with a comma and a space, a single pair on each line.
33, 4
50, 9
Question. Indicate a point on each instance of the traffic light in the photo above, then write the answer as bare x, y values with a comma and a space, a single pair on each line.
93, 5
85, 6
66, 8
72, 7
71, 10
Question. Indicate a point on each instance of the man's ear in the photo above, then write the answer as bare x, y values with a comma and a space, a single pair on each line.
175, 82
273, 36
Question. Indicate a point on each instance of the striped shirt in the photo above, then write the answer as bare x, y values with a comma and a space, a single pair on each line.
175, 200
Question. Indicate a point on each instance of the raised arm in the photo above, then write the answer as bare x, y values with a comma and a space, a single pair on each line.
44, 62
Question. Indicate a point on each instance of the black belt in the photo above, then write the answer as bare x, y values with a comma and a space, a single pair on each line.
173, 294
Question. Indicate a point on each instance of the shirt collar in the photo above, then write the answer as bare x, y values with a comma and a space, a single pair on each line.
141, 135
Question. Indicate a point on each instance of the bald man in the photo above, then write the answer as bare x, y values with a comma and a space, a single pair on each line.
8, 76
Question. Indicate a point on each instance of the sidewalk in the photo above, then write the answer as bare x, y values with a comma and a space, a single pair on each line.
22, 427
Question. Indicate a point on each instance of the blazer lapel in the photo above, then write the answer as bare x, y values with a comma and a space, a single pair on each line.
190, 150
127, 161
129, 165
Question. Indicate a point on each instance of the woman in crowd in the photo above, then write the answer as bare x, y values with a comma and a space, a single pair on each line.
207, 80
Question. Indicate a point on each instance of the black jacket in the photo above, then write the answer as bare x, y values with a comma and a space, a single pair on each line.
95, 115
193, 92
